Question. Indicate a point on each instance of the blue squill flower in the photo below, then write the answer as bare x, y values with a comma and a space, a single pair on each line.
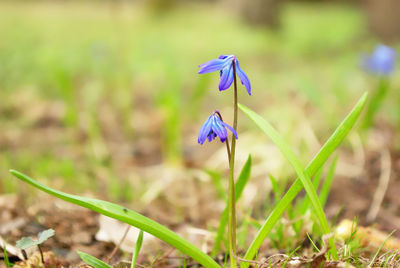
214, 127
224, 64
381, 61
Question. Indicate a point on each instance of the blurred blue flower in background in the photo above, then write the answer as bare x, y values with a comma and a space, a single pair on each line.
382, 61
214, 127
224, 64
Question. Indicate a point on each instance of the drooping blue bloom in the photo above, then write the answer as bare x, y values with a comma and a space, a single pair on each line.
214, 127
224, 64
382, 61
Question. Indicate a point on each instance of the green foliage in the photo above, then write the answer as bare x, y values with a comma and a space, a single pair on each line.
27, 242
328, 148
93, 261
138, 246
297, 166
128, 216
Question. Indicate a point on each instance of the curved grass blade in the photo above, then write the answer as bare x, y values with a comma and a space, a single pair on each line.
297, 166
326, 150
138, 245
239, 187
128, 216
93, 261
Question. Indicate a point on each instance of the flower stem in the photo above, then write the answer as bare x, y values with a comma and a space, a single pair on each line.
226, 141
231, 194
376, 102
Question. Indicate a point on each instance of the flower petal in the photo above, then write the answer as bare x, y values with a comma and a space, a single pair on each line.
231, 129
243, 77
211, 136
219, 129
213, 65
205, 130
382, 61
226, 78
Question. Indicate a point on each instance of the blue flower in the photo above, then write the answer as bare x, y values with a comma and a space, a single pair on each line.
214, 127
381, 61
224, 64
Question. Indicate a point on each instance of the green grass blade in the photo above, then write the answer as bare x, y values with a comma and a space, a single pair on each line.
239, 187
128, 216
379, 249
5, 254
93, 261
326, 150
303, 204
276, 188
297, 166
326, 187
313, 244
138, 246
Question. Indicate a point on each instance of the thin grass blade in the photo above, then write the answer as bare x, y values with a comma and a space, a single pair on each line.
329, 147
138, 246
379, 249
326, 187
5, 255
297, 166
239, 187
128, 216
304, 204
276, 188
93, 261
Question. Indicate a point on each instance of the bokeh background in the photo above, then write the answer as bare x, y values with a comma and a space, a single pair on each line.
103, 97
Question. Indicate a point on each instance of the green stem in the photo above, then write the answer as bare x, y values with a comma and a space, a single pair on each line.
226, 141
231, 197
376, 102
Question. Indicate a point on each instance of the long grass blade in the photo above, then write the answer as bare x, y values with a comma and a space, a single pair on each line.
297, 166
128, 216
326, 150
93, 261
239, 187
138, 246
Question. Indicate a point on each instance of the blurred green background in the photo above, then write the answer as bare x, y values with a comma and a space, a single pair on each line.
94, 94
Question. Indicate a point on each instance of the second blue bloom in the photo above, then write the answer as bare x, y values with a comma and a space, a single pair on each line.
214, 127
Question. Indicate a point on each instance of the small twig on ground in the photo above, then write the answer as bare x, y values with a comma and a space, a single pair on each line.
382, 187
119, 244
